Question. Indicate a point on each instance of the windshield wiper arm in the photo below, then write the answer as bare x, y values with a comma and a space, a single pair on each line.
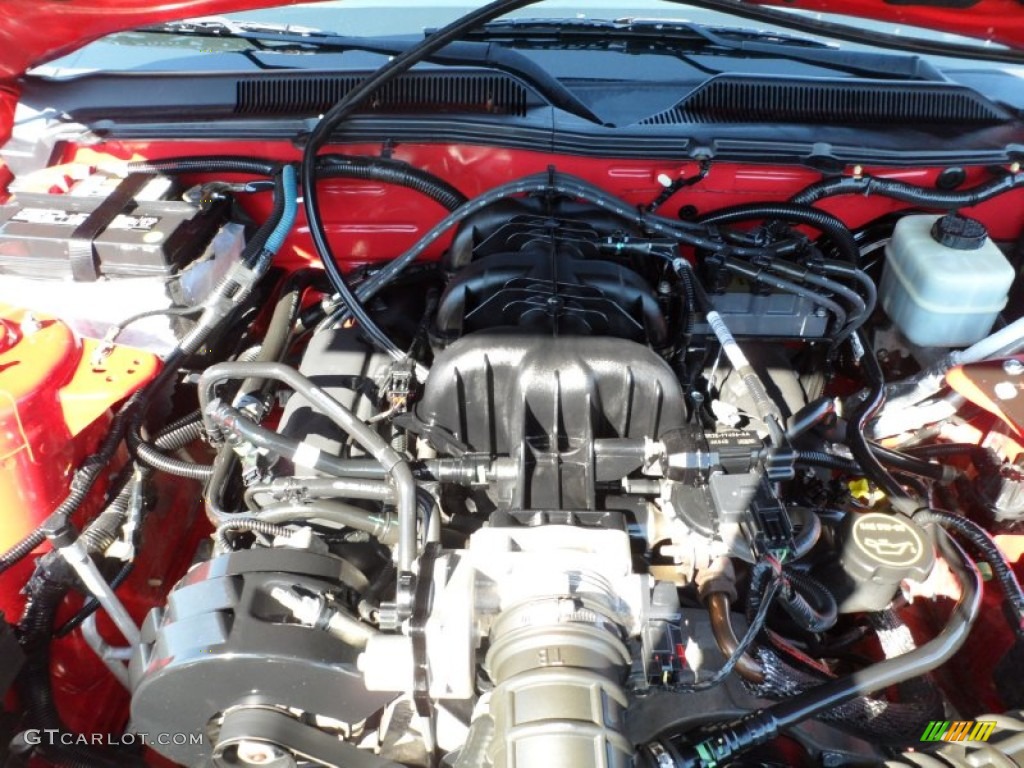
459, 53
681, 35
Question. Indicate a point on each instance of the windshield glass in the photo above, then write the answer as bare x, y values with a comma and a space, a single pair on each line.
375, 18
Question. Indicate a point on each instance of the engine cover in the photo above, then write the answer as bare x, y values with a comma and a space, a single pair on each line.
547, 403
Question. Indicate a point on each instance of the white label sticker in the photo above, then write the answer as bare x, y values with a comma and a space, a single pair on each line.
136, 223
50, 216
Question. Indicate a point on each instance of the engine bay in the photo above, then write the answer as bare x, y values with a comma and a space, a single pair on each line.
435, 454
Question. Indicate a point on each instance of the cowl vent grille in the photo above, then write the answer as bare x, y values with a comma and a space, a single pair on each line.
731, 99
454, 92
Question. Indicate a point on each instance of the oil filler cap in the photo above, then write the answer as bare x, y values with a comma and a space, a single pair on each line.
877, 551
959, 232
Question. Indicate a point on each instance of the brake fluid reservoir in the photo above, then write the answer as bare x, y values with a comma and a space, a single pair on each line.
945, 281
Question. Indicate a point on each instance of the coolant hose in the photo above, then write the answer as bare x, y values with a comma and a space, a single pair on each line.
764, 725
391, 172
908, 193
303, 454
393, 462
983, 542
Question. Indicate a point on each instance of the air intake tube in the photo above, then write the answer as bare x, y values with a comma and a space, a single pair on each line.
557, 664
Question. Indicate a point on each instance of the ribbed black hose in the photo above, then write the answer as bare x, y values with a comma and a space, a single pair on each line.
909, 193
186, 430
391, 172
808, 603
986, 546
206, 164
828, 461
831, 226
152, 457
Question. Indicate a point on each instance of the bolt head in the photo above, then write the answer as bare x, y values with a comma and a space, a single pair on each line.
255, 752
1013, 367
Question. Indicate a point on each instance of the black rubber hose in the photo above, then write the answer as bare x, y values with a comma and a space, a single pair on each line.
255, 245
235, 422
830, 226
856, 438
214, 491
978, 454
909, 193
913, 466
828, 461
808, 603
206, 164
986, 546
764, 725
391, 172
809, 532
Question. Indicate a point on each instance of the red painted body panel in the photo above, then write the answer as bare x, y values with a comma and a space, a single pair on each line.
370, 222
